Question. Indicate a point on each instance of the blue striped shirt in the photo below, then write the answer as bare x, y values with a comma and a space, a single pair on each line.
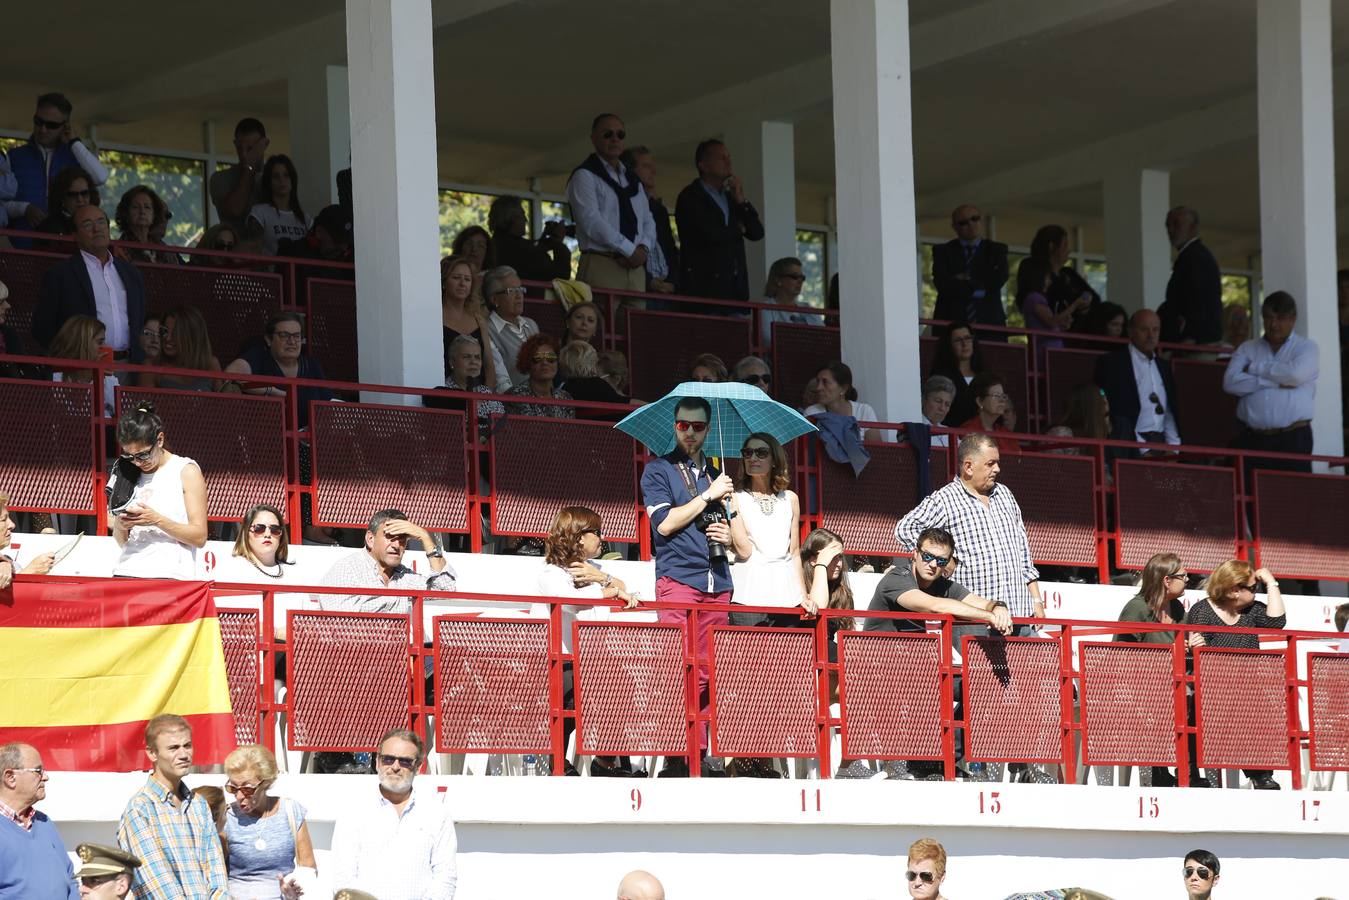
177, 843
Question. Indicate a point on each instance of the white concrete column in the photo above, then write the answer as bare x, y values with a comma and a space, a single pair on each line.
873, 173
764, 156
1139, 256
318, 105
393, 155
1297, 184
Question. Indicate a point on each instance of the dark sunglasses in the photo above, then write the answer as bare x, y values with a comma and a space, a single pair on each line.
96, 880
755, 453
47, 124
243, 790
939, 560
610, 134
1177, 575
143, 456
84, 193
1203, 871
259, 528
1250, 587
545, 357
1157, 404
225, 245
927, 877
407, 762
685, 425
757, 379
794, 276
961, 223
595, 532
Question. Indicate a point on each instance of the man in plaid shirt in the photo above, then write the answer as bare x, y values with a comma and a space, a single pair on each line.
169, 828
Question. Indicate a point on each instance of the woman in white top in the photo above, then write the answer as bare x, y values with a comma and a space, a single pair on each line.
278, 214
766, 536
164, 523
834, 393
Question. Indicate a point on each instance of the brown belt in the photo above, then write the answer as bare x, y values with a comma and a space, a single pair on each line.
1301, 423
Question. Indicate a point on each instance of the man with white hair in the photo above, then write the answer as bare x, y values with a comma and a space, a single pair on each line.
753, 370
33, 861
640, 885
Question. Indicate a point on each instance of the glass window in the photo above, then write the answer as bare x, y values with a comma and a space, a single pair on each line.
459, 210
929, 299
180, 183
1094, 270
812, 250
1238, 294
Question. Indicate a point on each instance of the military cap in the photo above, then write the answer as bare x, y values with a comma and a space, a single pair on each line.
99, 859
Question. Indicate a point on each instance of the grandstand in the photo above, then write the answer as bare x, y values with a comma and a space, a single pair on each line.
839, 126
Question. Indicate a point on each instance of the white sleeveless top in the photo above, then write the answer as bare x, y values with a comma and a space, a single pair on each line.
149, 551
771, 576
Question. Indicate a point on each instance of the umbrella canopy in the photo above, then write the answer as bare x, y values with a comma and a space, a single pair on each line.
738, 410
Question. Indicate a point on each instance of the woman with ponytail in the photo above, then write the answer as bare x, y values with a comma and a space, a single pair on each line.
163, 523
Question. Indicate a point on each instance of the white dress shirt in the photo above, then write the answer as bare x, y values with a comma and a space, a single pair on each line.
1275, 389
1149, 380
109, 300
594, 207
509, 339
408, 857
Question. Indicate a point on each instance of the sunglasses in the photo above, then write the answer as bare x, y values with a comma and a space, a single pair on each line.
1202, 871
149, 332
926, 877
47, 124
755, 453
259, 528
1177, 575
961, 223
595, 532
610, 134
407, 762
545, 357
1157, 404
289, 337
76, 194
757, 379
685, 425
941, 561
226, 245
143, 456
794, 276
96, 880
515, 291
1250, 587
243, 790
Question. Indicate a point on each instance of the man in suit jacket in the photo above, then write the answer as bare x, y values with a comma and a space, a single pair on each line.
1193, 310
93, 282
969, 272
714, 219
1139, 386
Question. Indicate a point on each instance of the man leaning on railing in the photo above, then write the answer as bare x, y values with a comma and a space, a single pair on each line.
380, 565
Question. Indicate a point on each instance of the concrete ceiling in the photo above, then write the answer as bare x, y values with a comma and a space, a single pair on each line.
1017, 104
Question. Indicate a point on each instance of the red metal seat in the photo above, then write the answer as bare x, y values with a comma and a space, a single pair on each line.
1009, 361
369, 457
333, 340
234, 303
765, 697
799, 351
1012, 704
239, 639
598, 470
1291, 543
1207, 413
630, 689
661, 345
879, 720
1241, 708
549, 316
491, 685
1189, 510
237, 439
864, 509
22, 271
348, 677
1328, 705
1057, 496
48, 461
1065, 369
1128, 704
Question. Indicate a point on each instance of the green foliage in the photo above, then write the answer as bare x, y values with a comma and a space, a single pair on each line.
812, 250
181, 183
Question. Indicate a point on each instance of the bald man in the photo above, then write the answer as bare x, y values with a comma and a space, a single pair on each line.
1139, 386
640, 885
969, 272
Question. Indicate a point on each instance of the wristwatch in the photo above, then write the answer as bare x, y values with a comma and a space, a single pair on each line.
437, 553
703, 496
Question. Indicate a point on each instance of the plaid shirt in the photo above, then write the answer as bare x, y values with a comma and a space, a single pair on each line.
992, 552
23, 819
177, 844
359, 569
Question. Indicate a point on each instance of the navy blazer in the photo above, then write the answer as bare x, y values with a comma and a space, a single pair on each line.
66, 291
712, 248
1194, 293
1115, 376
987, 269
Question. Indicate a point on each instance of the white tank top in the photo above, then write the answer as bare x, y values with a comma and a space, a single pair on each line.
149, 551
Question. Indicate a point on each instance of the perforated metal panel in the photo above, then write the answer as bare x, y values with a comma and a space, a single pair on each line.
1065, 369
1241, 709
889, 693
799, 352
370, 457
347, 676
662, 344
630, 689
1292, 543
237, 439
239, 639
1189, 510
598, 469
235, 304
1009, 361
764, 693
1207, 413
1058, 504
927, 352
1128, 704
48, 457
548, 315
491, 685
1012, 699
1328, 703
864, 509
22, 271
332, 327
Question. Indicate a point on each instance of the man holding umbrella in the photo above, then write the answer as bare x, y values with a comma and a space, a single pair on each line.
684, 497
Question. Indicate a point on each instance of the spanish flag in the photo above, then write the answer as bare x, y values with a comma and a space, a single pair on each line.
84, 665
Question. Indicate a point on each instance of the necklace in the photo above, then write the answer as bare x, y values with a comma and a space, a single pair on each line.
767, 503
277, 574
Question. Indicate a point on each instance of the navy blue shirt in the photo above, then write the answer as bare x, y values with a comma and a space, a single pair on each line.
261, 362
683, 555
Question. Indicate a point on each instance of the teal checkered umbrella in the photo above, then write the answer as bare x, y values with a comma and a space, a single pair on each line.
738, 410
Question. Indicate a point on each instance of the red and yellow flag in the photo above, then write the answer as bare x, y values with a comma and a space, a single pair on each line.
84, 665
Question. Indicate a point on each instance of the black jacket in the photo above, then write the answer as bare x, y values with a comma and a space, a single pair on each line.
532, 261
665, 237
66, 291
1194, 294
987, 269
1115, 376
712, 251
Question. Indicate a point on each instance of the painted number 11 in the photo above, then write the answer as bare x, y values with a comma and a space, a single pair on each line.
805, 805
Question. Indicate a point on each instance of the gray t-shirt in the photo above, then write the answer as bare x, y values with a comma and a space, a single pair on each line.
898, 582
222, 182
